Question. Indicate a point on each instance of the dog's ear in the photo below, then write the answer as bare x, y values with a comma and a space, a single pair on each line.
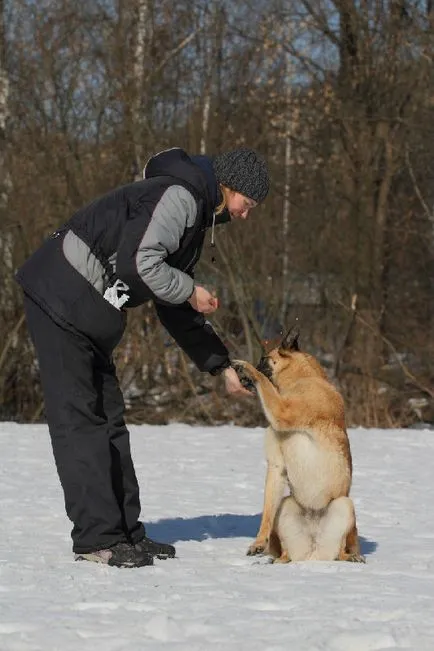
289, 342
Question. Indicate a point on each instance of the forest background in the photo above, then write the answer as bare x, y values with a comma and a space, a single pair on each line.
339, 98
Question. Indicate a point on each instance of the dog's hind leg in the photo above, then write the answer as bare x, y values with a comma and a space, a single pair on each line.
333, 529
352, 551
293, 531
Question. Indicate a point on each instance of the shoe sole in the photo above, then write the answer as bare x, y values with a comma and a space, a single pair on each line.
94, 558
162, 556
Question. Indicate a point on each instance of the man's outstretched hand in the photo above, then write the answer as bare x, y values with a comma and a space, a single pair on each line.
233, 384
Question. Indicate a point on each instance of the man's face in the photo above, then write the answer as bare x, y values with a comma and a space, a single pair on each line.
239, 206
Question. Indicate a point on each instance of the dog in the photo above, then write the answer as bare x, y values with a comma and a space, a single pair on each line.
307, 450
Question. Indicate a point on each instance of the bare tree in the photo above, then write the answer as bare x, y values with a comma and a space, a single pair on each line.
289, 71
4, 94
336, 95
141, 69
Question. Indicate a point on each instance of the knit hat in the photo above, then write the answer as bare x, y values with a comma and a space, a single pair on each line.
244, 171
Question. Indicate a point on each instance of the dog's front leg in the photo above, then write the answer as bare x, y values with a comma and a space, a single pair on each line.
275, 484
271, 399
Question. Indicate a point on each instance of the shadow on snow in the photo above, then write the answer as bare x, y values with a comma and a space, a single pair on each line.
226, 525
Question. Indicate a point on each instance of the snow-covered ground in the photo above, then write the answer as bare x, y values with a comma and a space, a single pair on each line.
202, 489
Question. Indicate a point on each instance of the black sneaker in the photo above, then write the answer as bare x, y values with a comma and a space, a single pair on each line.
120, 555
154, 548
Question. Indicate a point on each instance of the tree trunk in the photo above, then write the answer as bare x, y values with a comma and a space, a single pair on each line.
287, 187
4, 94
140, 106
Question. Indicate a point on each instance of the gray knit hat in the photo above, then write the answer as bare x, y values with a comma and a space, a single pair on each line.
244, 171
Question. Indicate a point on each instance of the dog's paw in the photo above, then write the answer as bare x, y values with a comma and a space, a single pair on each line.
284, 558
243, 374
355, 558
256, 548
240, 366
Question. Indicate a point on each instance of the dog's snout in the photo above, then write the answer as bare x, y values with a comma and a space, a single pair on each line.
264, 366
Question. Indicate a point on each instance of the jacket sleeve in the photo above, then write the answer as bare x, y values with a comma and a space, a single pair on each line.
195, 336
146, 242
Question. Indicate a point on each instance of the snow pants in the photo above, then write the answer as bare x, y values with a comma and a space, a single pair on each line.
84, 409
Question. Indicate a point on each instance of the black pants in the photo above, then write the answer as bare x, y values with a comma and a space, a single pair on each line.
84, 408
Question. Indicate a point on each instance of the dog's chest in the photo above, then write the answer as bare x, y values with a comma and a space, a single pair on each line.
299, 450
308, 468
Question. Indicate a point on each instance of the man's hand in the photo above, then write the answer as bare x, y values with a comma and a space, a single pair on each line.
233, 384
203, 301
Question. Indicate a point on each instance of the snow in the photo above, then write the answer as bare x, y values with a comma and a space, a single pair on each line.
202, 489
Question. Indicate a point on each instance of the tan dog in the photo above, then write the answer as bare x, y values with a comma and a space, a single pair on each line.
308, 450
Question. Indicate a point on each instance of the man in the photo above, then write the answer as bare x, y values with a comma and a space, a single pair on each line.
137, 243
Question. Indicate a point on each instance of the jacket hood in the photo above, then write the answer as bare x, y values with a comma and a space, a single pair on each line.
197, 171
175, 162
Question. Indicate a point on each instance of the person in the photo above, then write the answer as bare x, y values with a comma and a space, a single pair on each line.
137, 243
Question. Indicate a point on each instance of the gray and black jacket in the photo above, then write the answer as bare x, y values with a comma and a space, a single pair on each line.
149, 235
